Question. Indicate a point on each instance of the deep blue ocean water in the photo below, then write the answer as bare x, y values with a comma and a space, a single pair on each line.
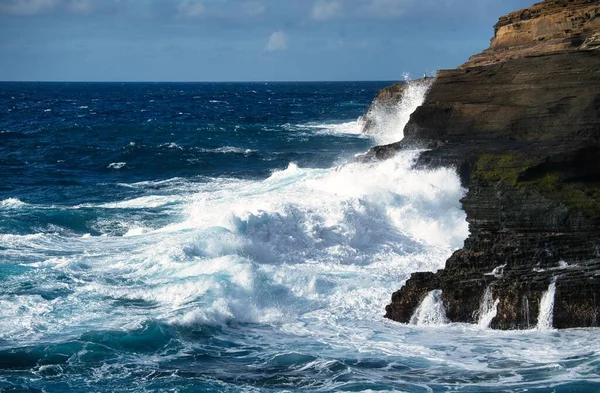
219, 238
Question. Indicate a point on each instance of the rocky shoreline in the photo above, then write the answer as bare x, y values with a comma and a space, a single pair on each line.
521, 123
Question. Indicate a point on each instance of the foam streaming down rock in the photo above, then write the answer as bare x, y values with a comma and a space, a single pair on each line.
547, 308
488, 308
525, 310
431, 311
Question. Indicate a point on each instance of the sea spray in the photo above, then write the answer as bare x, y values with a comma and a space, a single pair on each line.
330, 241
546, 314
388, 122
431, 311
488, 308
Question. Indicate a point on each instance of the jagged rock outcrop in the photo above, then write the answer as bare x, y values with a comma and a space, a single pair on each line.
521, 122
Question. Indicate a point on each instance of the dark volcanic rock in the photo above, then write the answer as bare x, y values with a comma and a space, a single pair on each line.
524, 133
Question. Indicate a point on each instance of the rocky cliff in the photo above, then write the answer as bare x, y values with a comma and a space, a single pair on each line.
546, 27
521, 122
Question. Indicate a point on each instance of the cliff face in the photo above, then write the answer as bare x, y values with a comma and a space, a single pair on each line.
521, 122
546, 27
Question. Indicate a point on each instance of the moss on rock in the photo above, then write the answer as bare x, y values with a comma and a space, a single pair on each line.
556, 183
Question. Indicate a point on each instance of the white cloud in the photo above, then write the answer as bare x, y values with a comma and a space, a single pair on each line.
324, 10
27, 7
190, 9
277, 41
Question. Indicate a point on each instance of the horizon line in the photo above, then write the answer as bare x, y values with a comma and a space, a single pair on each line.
233, 81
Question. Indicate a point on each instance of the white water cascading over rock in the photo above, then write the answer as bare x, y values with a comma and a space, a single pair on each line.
388, 115
525, 306
488, 308
431, 311
546, 314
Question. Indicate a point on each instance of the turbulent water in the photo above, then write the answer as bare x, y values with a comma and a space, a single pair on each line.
219, 238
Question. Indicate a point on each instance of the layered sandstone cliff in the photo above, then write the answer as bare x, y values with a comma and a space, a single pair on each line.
521, 122
546, 27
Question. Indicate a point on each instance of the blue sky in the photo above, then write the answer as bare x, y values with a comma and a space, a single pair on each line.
241, 40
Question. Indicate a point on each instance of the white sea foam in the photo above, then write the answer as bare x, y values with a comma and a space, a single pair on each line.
303, 244
171, 145
135, 231
12, 203
341, 129
387, 193
228, 149
116, 165
389, 124
12, 241
317, 234
431, 311
488, 308
546, 314
147, 202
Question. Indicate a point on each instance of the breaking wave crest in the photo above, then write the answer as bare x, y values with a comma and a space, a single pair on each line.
11, 203
297, 243
388, 120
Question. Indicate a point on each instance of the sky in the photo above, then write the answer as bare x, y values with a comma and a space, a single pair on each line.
241, 40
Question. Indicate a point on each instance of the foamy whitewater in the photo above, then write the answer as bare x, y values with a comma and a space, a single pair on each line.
232, 244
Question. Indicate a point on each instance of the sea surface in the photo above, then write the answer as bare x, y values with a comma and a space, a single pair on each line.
220, 238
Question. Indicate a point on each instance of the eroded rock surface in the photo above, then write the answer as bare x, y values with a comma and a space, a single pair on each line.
546, 27
521, 122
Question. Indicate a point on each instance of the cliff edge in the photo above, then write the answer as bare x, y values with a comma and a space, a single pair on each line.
521, 122
546, 27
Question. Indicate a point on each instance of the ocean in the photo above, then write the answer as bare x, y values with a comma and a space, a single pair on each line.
221, 237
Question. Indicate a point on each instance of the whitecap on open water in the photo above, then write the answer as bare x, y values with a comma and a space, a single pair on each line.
235, 248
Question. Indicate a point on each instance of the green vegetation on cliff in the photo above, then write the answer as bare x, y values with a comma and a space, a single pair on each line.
555, 182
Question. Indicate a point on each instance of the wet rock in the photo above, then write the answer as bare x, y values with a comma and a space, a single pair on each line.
521, 123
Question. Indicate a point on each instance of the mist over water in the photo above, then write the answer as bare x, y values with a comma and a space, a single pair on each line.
218, 237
